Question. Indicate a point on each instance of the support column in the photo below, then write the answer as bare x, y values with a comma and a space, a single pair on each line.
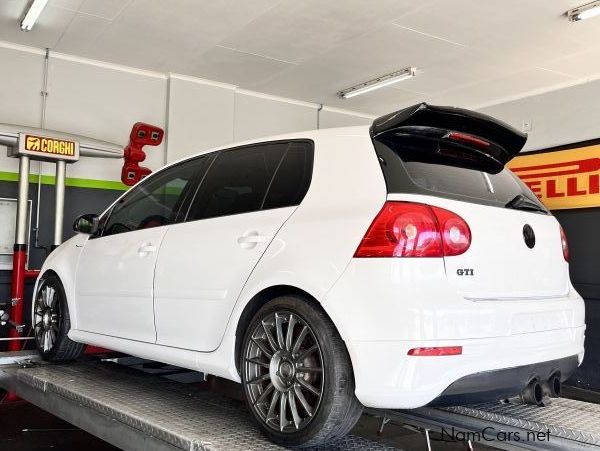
59, 203
19, 252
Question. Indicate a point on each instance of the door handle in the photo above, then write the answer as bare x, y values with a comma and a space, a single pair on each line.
250, 239
146, 249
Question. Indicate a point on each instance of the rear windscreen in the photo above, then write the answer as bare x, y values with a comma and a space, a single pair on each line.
449, 181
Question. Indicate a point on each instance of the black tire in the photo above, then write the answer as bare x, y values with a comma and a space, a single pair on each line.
51, 322
334, 411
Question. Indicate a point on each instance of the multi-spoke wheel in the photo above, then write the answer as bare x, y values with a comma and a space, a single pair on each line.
283, 367
46, 317
296, 374
51, 323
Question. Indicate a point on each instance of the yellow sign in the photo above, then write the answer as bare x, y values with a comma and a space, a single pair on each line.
49, 145
46, 148
562, 179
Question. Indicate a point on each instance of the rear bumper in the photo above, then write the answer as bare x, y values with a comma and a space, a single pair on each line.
501, 384
386, 377
385, 307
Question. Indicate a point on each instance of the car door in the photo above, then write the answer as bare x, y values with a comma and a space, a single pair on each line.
203, 264
115, 274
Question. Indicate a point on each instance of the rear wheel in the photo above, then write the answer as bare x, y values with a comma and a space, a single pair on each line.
51, 322
297, 375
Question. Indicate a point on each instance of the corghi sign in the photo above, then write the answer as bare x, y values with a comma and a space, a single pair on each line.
567, 178
46, 148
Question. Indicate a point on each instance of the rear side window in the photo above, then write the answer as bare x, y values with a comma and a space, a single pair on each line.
253, 178
293, 176
407, 175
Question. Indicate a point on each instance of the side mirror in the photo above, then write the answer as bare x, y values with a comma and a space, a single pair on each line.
87, 224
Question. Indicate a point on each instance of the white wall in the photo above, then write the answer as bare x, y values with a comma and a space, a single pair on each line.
333, 117
20, 99
200, 116
20, 86
260, 115
102, 101
559, 117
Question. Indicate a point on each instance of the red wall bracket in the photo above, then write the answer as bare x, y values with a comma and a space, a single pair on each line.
142, 134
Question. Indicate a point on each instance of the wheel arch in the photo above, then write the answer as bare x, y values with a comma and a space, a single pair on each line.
44, 273
260, 299
66, 283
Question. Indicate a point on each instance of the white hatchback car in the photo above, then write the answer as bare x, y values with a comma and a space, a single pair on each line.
390, 266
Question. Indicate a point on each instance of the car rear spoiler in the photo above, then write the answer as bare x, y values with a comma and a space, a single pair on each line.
451, 136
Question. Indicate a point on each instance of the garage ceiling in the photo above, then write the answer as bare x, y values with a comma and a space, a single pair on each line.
468, 52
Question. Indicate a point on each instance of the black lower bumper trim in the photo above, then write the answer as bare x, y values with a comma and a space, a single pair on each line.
501, 384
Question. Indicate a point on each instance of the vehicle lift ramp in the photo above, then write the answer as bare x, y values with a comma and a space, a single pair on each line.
137, 411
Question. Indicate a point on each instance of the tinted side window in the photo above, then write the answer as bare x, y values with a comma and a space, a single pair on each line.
237, 181
156, 201
293, 177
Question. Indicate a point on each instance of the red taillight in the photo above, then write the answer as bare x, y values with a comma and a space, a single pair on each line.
456, 235
436, 351
470, 140
408, 229
565, 245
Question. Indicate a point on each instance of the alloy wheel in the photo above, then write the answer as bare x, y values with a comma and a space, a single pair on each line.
283, 372
47, 318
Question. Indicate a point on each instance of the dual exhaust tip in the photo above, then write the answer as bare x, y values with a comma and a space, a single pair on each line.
537, 390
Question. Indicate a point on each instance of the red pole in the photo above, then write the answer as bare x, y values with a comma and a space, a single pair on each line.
17, 293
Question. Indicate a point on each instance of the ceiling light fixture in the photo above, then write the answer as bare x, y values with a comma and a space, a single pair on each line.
34, 11
379, 82
584, 11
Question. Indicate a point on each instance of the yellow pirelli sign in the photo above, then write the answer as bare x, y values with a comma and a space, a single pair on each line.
562, 179
47, 147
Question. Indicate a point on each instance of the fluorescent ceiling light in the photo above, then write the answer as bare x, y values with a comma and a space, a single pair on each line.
33, 13
378, 82
584, 11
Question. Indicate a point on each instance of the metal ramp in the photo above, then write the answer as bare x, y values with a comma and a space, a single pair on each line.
142, 412
565, 424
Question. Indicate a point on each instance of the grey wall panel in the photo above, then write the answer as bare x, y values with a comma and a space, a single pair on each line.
330, 119
581, 227
103, 103
200, 117
21, 81
559, 117
77, 202
257, 116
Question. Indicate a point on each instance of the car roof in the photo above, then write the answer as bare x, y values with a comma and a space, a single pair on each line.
315, 135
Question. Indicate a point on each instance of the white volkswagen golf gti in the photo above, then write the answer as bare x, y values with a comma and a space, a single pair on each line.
391, 266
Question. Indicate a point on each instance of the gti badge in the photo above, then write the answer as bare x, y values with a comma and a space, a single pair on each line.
528, 236
464, 271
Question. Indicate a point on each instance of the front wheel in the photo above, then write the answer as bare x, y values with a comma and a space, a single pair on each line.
51, 322
296, 374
